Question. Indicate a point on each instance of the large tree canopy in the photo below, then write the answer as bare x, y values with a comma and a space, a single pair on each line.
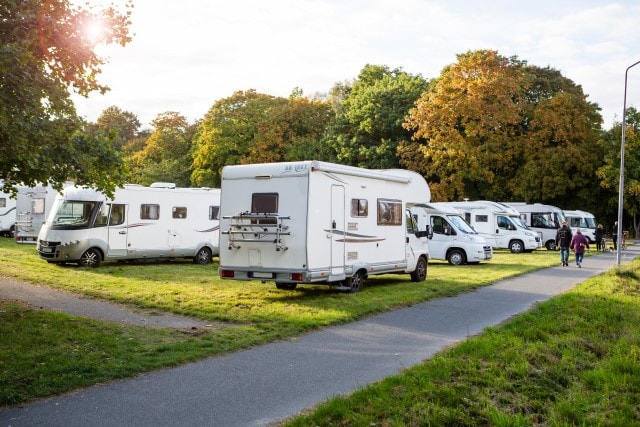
367, 127
495, 128
46, 50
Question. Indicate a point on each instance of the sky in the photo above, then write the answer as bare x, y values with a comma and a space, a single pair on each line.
188, 54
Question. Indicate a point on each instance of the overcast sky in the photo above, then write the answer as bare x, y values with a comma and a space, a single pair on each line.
187, 54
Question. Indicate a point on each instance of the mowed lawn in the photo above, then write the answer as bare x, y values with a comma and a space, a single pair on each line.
44, 353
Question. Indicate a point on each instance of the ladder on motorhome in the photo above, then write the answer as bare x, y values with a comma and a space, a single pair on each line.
257, 227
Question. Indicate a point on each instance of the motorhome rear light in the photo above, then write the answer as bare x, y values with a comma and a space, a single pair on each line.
296, 276
229, 274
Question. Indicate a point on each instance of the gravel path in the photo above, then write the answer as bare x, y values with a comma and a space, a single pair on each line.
47, 298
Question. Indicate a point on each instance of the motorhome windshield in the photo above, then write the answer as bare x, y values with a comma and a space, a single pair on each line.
543, 220
461, 224
74, 214
559, 217
591, 222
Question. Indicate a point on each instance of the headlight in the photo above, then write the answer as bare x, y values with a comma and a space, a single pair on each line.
530, 234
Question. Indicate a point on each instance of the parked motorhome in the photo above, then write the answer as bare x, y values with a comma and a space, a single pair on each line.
451, 238
499, 224
585, 221
156, 222
7, 213
33, 205
546, 219
315, 222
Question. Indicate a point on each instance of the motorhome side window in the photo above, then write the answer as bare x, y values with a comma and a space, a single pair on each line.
389, 212
440, 225
412, 223
179, 212
214, 212
264, 203
482, 218
504, 223
149, 211
359, 207
3, 202
117, 215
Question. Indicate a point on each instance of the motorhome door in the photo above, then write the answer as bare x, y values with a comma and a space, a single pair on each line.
118, 231
337, 229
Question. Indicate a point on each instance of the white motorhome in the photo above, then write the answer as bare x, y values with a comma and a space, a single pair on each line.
7, 213
499, 224
546, 219
33, 205
156, 222
451, 238
316, 222
583, 220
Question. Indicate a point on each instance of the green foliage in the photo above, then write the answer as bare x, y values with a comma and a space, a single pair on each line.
494, 128
44, 51
367, 126
124, 123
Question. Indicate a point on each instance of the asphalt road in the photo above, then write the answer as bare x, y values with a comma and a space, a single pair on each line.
261, 386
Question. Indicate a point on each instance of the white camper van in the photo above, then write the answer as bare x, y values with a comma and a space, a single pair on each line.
316, 222
585, 221
451, 238
546, 219
7, 213
33, 205
499, 224
157, 222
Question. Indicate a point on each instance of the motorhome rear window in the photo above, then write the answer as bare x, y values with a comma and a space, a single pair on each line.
214, 212
482, 218
149, 211
179, 212
359, 207
37, 206
3, 202
389, 212
264, 203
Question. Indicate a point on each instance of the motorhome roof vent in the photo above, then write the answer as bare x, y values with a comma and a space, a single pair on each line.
163, 185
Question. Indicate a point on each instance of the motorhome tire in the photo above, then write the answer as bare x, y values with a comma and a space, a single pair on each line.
551, 245
356, 282
420, 273
286, 286
456, 257
516, 246
203, 256
90, 258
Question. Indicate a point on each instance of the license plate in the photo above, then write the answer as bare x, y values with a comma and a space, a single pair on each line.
261, 275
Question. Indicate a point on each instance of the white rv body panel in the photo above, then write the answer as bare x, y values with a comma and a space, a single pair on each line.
545, 219
7, 213
138, 223
318, 222
583, 220
33, 205
451, 238
499, 224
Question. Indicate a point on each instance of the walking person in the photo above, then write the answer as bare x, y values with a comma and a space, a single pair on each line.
599, 236
563, 241
614, 235
579, 244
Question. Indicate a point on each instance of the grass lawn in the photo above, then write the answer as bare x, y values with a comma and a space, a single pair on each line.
44, 353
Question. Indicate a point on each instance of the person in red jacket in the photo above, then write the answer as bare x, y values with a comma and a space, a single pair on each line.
579, 244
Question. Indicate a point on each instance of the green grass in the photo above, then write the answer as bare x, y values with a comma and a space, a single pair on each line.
573, 360
34, 343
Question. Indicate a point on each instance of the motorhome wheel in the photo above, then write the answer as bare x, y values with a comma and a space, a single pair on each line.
90, 258
420, 273
516, 246
456, 257
356, 281
551, 245
203, 256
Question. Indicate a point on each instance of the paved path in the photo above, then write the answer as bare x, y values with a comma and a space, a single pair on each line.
266, 384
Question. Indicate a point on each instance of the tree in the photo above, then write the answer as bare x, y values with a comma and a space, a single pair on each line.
45, 51
249, 127
124, 123
367, 127
492, 127
166, 156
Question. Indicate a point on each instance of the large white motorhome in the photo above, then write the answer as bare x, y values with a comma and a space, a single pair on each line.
33, 205
583, 220
316, 222
7, 213
156, 222
499, 224
546, 219
451, 238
